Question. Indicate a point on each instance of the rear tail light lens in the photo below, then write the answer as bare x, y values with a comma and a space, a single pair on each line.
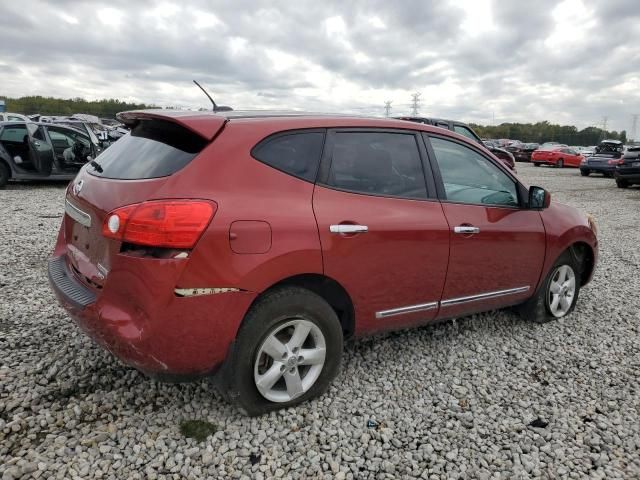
616, 162
162, 223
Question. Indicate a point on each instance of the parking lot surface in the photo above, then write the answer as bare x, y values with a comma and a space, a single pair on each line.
488, 396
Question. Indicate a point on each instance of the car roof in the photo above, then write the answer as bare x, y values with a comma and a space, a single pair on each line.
207, 123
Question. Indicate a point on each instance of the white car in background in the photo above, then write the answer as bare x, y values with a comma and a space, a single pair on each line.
13, 117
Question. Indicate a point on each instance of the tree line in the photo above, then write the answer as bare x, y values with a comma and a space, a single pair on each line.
547, 132
105, 108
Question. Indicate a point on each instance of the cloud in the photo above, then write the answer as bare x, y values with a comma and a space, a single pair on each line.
572, 61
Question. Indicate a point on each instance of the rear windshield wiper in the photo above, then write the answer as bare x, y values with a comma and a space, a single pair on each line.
96, 165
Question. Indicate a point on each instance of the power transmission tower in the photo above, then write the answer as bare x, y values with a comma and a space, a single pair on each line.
605, 120
634, 126
415, 105
387, 108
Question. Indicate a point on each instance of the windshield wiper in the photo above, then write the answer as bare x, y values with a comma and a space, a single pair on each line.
96, 165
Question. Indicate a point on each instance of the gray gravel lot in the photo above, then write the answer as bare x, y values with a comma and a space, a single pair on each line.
454, 400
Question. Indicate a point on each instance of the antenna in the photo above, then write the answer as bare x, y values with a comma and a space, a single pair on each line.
215, 107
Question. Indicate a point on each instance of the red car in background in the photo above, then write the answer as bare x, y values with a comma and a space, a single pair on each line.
251, 245
556, 156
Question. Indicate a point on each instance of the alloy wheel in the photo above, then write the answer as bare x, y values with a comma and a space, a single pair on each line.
290, 360
562, 290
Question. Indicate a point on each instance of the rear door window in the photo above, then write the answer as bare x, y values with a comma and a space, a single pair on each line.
153, 149
296, 154
13, 134
377, 163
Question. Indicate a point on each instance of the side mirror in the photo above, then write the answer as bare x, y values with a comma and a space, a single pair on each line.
539, 198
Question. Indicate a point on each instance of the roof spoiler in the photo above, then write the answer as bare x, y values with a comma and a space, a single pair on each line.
203, 124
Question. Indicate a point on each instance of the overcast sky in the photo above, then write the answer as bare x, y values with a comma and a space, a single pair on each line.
570, 61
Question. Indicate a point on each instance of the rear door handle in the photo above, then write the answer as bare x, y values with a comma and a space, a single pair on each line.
348, 228
466, 229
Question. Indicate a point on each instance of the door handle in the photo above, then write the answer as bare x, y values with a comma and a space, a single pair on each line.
466, 229
348, 228
36, 144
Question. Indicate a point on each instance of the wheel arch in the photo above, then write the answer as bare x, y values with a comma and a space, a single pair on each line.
585, 256
329, 289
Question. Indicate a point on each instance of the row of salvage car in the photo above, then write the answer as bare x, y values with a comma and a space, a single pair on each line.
54, 148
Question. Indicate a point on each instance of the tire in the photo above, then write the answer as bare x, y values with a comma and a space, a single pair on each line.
536, 164
560, 163
5, 174
281, 312
585, 173
622, 184
540, 308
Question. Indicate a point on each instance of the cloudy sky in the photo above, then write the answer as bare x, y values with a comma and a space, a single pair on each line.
568, 61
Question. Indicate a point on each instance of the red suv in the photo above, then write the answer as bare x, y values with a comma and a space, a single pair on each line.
251, 245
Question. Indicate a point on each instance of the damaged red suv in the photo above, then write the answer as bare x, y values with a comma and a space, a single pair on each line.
250, 246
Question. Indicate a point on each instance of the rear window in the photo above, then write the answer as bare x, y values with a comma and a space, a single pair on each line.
153, 149
297, 154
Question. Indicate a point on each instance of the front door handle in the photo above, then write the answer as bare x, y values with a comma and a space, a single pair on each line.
346, 228
466, 229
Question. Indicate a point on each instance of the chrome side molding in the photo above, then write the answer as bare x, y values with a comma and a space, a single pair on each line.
78, 215
483, 296
422, 307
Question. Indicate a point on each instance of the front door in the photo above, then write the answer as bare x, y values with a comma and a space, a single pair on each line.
384, 239
497, 247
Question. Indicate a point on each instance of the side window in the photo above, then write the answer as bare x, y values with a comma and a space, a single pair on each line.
39, 134
462, 130
12, 118
13, 134
469, 177
377, 163
297, 154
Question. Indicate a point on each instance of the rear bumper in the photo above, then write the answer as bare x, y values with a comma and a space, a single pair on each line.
629, 177
598, 168
138, 318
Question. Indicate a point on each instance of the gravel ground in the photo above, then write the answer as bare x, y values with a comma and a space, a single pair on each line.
489, 396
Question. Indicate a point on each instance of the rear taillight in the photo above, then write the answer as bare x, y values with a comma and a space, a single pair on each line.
160, 223
615, 161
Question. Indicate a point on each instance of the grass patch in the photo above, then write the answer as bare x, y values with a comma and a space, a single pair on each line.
197, 429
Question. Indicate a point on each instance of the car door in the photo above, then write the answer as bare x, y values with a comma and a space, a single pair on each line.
497, 246
383, 233
40, 151
573, 158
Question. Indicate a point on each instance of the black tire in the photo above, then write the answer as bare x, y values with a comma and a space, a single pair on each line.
560, 163
585, 173
622, 184
5, 173
270, 312
536, 164
538, 308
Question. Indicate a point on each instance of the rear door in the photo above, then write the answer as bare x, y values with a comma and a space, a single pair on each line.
383, 233
497, 247
41, 151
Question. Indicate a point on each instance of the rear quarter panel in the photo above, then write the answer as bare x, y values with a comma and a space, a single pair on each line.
246, 189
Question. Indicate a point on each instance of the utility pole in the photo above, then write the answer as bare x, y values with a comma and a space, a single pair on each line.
387, 108
415, 105
634, 126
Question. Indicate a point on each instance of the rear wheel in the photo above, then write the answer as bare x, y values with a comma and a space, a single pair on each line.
536, 164
560, 163
558, 294
5, 174
287, 351
585, 173
622, 183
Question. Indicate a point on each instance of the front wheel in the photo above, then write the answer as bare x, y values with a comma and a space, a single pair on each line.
622, 184
585, 173
560, 163
288, 350
536, 164
558, 295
